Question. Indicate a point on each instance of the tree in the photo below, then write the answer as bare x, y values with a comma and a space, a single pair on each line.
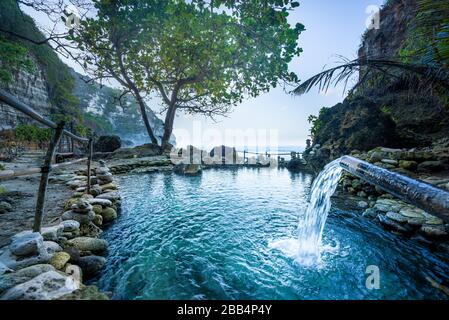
199, 57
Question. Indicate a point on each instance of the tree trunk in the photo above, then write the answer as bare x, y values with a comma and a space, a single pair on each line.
146, 121
168, 126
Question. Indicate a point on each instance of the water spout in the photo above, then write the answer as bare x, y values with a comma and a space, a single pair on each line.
423, 195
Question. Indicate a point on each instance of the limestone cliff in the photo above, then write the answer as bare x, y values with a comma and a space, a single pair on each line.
384, 112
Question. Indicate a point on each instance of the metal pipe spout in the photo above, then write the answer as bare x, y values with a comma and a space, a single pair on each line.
423, 195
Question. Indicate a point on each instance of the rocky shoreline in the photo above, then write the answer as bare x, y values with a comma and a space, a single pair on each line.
430, 165
53, 264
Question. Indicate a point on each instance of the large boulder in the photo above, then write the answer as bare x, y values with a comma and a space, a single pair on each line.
146, 150
85, 293
107, 143
91, 265
10, 280
88, 244
187, 169
46, 286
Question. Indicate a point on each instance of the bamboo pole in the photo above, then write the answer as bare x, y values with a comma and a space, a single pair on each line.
40, 204
89, 164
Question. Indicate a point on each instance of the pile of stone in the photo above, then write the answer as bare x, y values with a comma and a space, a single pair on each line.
406, 219
81, 211
52, 264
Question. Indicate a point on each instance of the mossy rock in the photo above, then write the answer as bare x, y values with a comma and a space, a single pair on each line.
85, 293
98, 220
3, 190
69, 203
97, 209
109, 214
59, 260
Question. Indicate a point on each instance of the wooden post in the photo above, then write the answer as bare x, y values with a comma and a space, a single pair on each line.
244, 156
89, 164
201, 157
234, 156
191, 154
40, 204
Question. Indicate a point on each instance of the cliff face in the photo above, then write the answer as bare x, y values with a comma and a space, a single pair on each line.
31, 87
105, 113
52, 88
385, 112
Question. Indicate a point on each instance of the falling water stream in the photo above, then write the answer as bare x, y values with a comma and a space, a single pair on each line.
306, 247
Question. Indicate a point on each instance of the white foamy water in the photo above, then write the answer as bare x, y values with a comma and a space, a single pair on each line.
306, 248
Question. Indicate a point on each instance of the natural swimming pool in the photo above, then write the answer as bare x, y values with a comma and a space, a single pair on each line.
208, 236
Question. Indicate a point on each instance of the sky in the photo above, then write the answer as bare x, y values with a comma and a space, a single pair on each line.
333, 29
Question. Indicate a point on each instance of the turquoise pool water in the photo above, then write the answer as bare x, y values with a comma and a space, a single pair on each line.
207, 237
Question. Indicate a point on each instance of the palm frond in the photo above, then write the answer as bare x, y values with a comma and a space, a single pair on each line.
431, 75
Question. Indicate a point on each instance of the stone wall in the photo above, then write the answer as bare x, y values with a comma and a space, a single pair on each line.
31, 89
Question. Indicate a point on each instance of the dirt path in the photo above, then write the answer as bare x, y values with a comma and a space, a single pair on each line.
21, 193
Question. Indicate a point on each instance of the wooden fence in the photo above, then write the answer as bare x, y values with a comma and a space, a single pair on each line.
58, 131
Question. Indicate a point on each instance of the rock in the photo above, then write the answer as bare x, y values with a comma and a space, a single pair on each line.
108, 143
411, 213
74, 271
393, 225
408, 165
69, 203
101, 202
75, 184
109, 186
111, 196
5, 207
14, 262
97, 209
396, 217
105, 178
46, 286
52, 233
82, 206
376, 156
98, 220
390, 161
187, 169
362, 204
79, 217
74, 254
85, 293
109, 214
90, 230
88, 244
70, 225
415, 222
434, 232
95, 191
4, 269
59, 260
91, 265
433, 221
356, 184
52, 247
370, 213
26, 243
430, 166
10, 280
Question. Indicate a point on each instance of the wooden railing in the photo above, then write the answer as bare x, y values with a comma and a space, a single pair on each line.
45, 170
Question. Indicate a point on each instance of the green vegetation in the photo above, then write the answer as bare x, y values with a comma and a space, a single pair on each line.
32, 134
198, 58
13, 56
59, 80
316, 122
